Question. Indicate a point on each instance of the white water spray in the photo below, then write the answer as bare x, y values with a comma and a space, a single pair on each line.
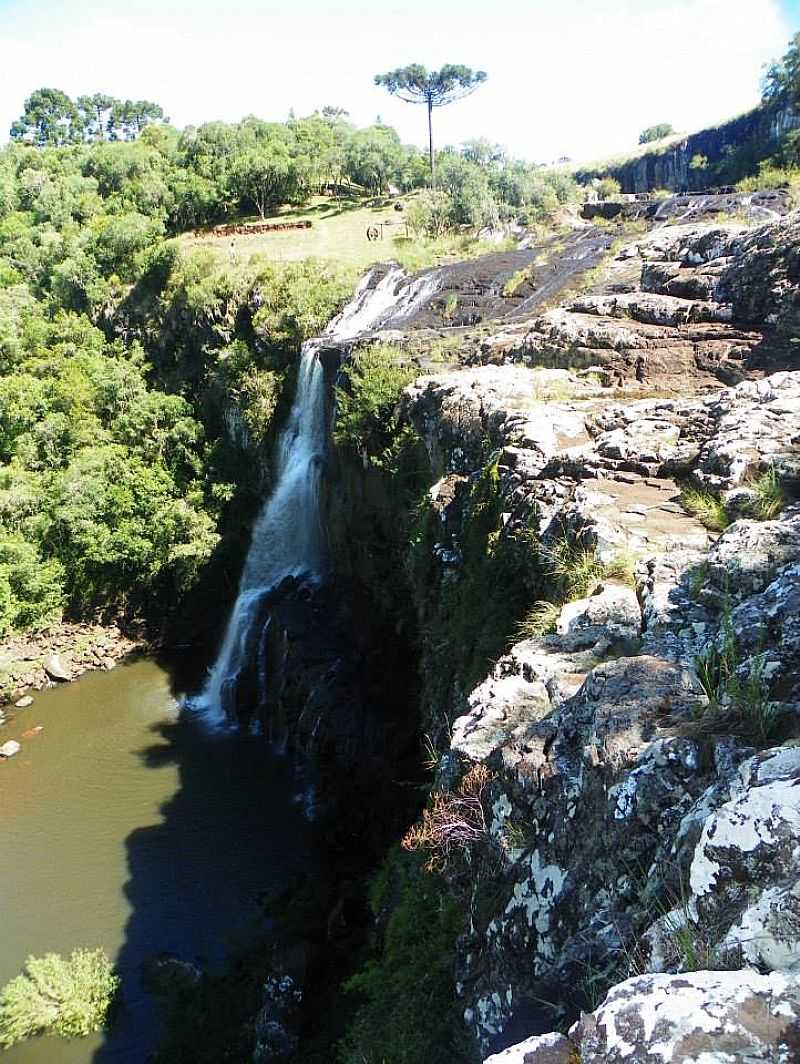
288, 537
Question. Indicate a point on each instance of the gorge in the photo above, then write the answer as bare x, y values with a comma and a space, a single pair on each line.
483, 539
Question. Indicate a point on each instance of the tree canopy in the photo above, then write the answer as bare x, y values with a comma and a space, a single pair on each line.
51, 118
782, 79
435, 88
656, 132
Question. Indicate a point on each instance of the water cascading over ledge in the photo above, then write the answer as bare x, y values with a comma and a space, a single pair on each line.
288, 539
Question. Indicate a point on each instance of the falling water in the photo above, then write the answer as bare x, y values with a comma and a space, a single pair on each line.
288, 537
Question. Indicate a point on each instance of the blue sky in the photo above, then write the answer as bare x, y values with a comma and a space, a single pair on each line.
573, 77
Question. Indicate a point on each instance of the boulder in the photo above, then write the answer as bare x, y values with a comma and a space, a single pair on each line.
56, 669
612, 614
10, 748
713, 1017
542, 1049
748, 847
23, 703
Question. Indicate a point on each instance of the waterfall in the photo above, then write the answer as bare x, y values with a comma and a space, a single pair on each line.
287, 538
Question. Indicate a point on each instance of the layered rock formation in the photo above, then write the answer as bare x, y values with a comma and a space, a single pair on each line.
669, 164
636, 868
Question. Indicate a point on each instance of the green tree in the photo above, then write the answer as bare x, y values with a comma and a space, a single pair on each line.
70, 997
437, 88
657, 132
50, 118
95, 111
781, 84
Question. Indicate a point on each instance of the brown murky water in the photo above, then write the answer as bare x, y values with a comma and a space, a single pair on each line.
127, 825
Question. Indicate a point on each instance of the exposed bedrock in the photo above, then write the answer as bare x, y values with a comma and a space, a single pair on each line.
601, 584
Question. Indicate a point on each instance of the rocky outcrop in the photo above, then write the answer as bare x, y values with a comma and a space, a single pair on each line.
704, 303
714, 1016
640, 821
669, 164
613, 768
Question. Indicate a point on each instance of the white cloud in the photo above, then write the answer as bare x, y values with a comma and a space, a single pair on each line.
581, 77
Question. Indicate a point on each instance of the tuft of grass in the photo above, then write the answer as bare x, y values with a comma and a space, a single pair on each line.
738, 694
707, 507
517, 280
574, 572
770, 497
540, 620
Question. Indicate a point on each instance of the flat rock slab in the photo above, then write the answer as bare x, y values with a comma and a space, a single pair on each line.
23, 703
640, 513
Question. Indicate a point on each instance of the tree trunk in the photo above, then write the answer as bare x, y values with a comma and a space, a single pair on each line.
430, 142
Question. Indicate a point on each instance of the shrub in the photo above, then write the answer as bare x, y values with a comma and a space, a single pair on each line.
68, 997
431, 214
608, 188
365, 409
452, 821
656, 132
409, 1013
769, 177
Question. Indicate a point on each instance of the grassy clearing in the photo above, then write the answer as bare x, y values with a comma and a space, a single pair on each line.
338, 232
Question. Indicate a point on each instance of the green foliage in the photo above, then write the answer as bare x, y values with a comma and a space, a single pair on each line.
770, 176
656, 132
466, 625
517, 280
781, 84
366, 407
738, 694
707, 507
410, 1012
31, 589
100, 474
770, 497
70, 997
608, 188
571, 572
298, 299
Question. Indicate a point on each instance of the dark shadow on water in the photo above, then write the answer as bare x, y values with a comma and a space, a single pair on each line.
235, 827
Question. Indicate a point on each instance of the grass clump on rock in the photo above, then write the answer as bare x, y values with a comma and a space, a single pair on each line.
707, 507
572, 573
71, 997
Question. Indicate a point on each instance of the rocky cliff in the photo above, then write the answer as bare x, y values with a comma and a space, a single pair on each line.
605, 571
749, 138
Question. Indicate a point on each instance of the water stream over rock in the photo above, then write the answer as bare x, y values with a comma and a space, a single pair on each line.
288, 538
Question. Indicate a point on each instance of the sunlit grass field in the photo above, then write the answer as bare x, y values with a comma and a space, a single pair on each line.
339, 232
